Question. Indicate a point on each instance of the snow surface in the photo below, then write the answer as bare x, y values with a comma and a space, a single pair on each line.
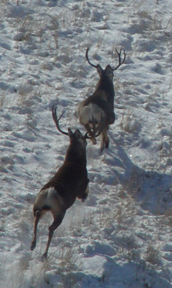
121, 236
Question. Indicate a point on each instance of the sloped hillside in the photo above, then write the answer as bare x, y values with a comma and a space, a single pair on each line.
121, 236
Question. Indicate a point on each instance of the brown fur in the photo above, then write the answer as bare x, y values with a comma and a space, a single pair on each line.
101, 102
69, 182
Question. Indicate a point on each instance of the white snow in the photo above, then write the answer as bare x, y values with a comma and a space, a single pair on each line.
121, 236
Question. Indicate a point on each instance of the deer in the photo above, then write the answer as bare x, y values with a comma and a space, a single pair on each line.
100, 105
69, 182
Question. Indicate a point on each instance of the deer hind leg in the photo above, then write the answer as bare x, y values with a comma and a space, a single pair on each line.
56, 223
105, 140
37, 217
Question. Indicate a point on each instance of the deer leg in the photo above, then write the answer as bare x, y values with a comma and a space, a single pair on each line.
105, 140
37, 217
57, 221
85, 195
83, 190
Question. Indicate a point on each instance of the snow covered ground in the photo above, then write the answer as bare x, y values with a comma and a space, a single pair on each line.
121, 236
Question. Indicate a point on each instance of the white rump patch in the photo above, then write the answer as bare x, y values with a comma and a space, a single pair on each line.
51, 198
86, 114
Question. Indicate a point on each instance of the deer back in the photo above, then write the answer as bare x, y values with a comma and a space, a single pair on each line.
71, 179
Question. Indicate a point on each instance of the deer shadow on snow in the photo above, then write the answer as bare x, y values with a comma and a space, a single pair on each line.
152, 189
111, 274
128, 275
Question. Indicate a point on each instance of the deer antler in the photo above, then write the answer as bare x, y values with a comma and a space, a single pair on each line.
96, 131
86, 55
119, 57
54, 114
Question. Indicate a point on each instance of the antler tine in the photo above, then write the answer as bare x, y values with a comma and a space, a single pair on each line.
86, 55
96, 131
119, 57
54, 114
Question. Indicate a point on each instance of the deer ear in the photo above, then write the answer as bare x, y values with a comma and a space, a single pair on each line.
70, 133
99, 69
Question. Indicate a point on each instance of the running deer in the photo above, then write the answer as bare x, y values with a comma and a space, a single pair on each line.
69, 182
100, 105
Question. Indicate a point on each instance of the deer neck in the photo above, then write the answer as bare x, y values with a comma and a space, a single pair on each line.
76, 155
107, 86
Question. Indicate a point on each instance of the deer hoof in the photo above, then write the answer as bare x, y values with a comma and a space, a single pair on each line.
107, 145
44, 257
33, 245
93, 141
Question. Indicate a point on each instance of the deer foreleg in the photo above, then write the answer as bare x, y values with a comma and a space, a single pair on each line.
85, 195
